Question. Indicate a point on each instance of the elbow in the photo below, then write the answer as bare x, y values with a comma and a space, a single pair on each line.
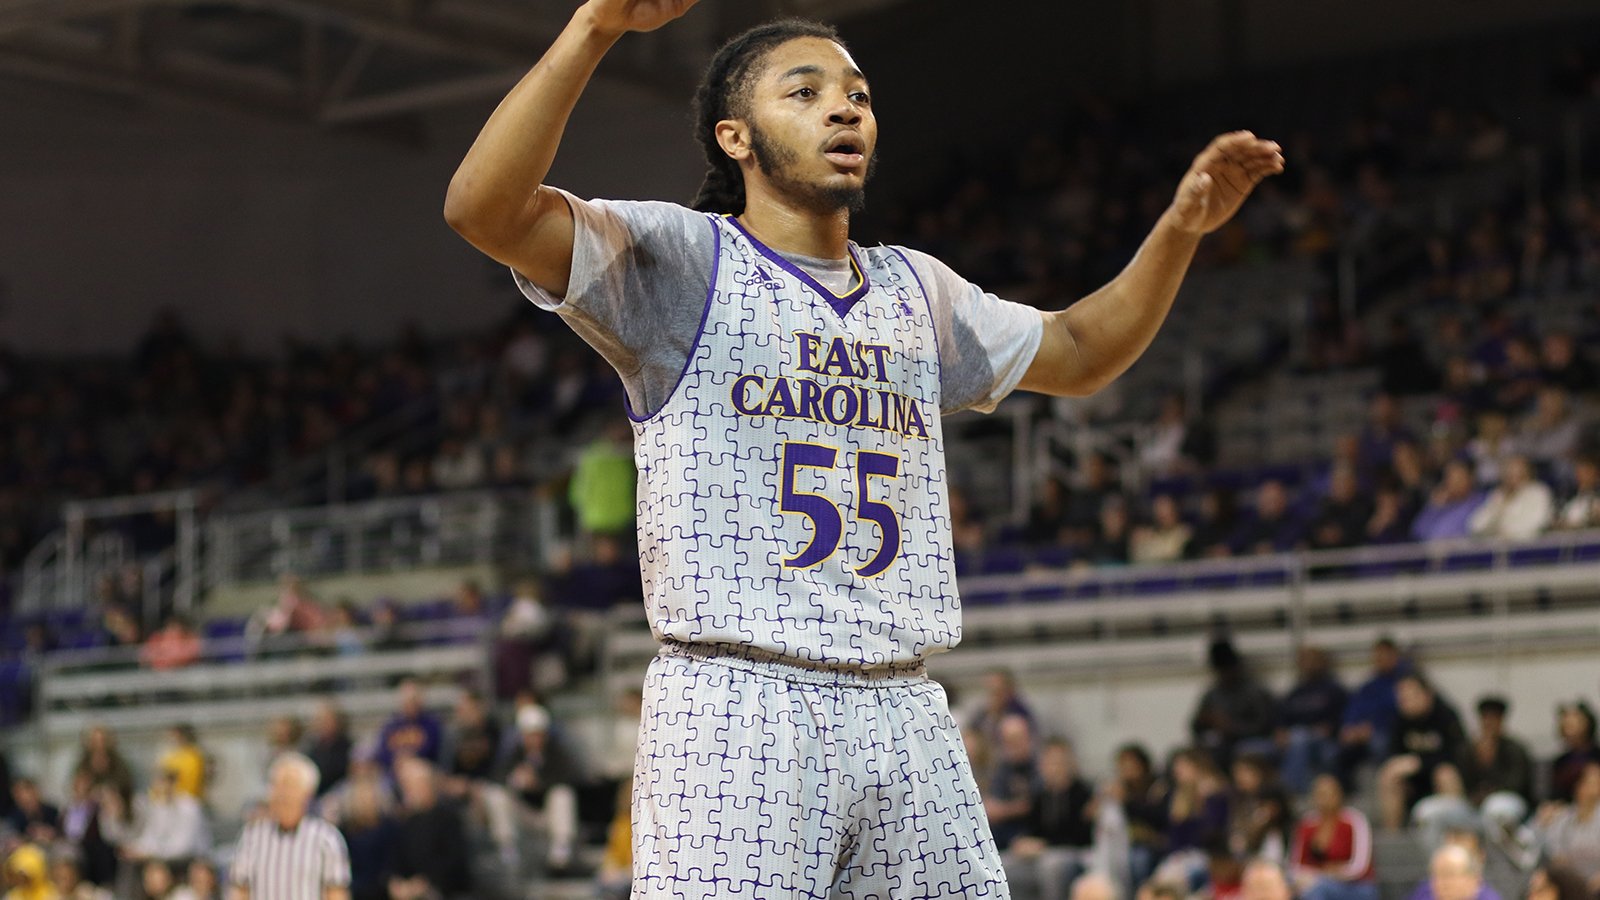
462, 212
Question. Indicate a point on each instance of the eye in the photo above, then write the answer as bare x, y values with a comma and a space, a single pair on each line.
861, 98
804, 93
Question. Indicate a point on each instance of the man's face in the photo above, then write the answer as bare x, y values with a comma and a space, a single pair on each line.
287, 796
1453, 879
812, 132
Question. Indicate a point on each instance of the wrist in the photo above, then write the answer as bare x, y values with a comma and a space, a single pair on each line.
592, 26
1172, 223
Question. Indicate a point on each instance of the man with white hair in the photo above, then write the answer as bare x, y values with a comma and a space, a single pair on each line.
288, 854
1455, 873
1265, 880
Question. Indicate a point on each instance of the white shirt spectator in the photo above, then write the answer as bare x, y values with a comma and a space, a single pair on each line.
169, 829
1519, 509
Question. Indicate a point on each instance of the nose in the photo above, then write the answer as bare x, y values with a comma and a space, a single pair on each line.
845, 112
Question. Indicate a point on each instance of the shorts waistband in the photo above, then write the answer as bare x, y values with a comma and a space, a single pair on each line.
773, 665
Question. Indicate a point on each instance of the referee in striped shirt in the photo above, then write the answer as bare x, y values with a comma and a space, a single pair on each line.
287, 854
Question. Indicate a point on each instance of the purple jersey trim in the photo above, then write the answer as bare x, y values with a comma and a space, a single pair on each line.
933, 318
694, 345
841, 305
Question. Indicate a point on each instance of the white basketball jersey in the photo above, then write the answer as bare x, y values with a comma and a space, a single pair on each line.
792, 488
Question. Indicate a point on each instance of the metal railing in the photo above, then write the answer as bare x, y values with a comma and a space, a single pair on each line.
245, 678
387, 535
1477, 597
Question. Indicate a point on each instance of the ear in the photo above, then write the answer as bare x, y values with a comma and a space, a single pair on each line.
733, 136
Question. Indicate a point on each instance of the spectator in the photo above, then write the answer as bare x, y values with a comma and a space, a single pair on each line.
1162, 444
1451, 507
104, 763
1000, 699
155, 881
1557, 883
1550, 435
370, 833
1273, 528
603, 483
80, 826
458, 466
69, 882
1166, 538
296, 615
1571, 834
1492, 447
1341, 521
473, 739
1309, 720
1217, 522
544, 775
526, 630
328, 745
31, 817
1455, 873
1519, 509
1235, 714
288, 852
1109, 545
168, 825
1197, 816
284, 734
1382, 432
119, 628
186, 761
1258, 810
411, 731
1447, 809
25, 872
1264, 880
1332, 851
1009, 799
1498, 771
173, 646
1582, 509
1095, 886
200, 882
1370, 715
1143, 807
1562, 365
430, 849
1427, 734
1052, 848
1575, 725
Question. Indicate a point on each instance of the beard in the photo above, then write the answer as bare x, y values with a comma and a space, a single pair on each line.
779, 162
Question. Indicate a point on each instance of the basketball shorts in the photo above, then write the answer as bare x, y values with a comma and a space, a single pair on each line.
759, 779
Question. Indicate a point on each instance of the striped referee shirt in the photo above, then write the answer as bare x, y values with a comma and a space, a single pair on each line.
291, 865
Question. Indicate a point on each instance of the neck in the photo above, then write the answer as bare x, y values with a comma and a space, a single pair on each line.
789, 227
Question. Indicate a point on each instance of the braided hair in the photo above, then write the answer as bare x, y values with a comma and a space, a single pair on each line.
724, 94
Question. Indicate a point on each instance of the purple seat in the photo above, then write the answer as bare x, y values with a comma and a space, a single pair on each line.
1535, 556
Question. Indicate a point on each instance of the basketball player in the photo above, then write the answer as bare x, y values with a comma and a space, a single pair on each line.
786, 387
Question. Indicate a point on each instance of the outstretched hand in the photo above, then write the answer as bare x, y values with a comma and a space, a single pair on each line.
1222, 176
617, 16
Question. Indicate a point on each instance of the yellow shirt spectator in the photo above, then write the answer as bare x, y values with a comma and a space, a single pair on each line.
188, 767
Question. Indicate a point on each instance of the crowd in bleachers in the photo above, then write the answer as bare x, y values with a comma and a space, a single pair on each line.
1268, 777
478, 800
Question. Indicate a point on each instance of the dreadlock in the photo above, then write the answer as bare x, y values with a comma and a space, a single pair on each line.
724, 93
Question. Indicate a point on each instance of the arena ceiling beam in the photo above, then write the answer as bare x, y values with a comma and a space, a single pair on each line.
334, 63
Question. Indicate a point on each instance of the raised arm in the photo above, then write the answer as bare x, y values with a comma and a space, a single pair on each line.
497, 199
1087, 345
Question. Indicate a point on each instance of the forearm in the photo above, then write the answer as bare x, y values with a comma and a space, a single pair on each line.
1109, 329
499, 178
